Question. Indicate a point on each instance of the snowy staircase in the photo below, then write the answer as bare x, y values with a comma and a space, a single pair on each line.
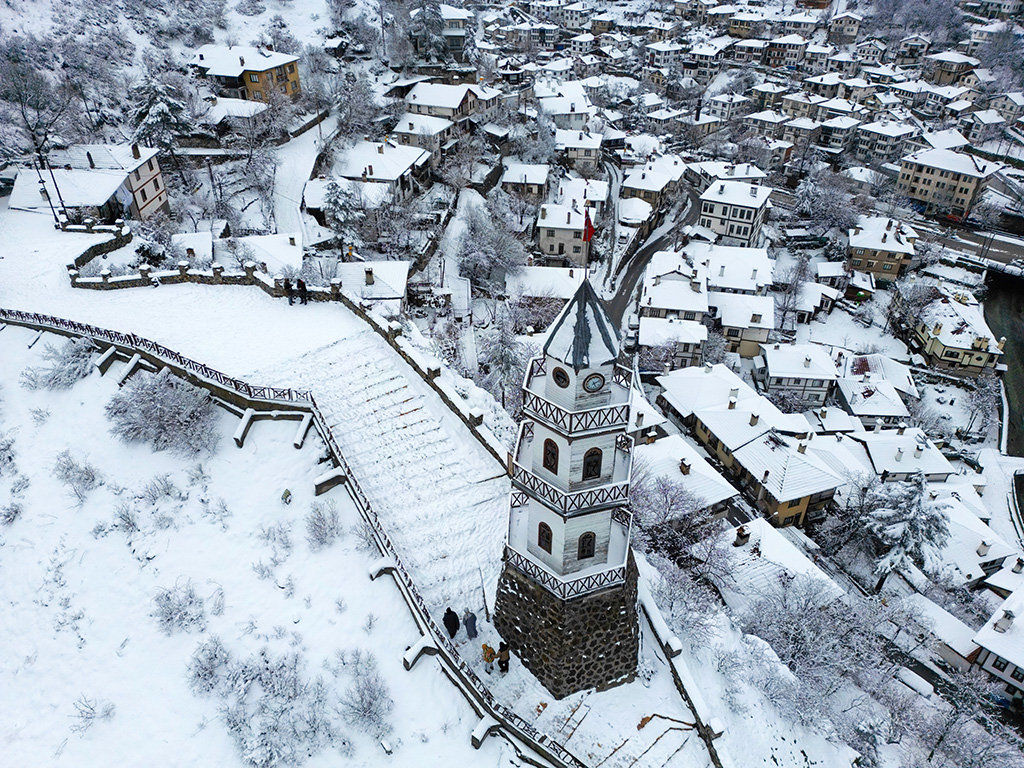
439, 494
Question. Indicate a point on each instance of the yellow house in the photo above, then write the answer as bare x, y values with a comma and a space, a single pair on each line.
244, 72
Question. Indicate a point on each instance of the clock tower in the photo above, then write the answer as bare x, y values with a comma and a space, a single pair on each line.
566, 600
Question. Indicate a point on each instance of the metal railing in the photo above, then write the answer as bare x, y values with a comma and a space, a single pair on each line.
471, 683
565, 588
601, 496
606, 416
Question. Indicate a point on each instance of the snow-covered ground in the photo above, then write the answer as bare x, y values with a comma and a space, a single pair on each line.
78, 621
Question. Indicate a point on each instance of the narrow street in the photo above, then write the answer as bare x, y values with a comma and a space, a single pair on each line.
639, 260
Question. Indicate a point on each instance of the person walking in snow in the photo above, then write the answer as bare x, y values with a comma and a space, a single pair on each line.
469, 620
303, 293
288, 290
489, 657
503, 657
451, 622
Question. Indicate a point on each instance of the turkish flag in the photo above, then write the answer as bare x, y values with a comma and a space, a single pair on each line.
588, 227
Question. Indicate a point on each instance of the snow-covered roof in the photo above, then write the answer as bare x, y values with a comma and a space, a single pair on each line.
947, 627
276, 251
583, 336
1006, 578
718, 169
370, 195
882, 368
634, 211
883, 234
381, 162
726, 268
389, 279
545, 282
948, 160
565, 139
448, 13
952, 57
590, 190
867, 397
784, 471
893, 453
448, 96
664, 458
201, 243
961, 555
738, 310
798, 361
221, 108
78, 189
103, 157
768, 116
233, 60
415, 124
959, 323
764, 563
655, 331
889, 128
1009, 643
525, 173
737, 193
554, 216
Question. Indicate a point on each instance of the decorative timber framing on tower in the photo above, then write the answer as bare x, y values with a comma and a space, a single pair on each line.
567, 595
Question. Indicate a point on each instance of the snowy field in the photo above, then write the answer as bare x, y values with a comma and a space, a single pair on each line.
84, 594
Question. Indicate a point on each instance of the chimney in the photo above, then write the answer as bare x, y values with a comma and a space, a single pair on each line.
721, 188
899, 454
190, 252
411, 126
708, 367
754, 419
878, 425
1004, 622
88, 156
823, 413
380, 148
543, 212
902, 428
1018, 566
568, 217
371, 167
135, 151
983, 548
200, 57
917, 451
684, 466
764, 477
885, 235
1002, 342
241, 60
807, 361
888, 226
753, 274
734, 393
721, 270
753, 191
742, 536
640, 419
732, 403
801, 447
937, 329
570, 271
369, 275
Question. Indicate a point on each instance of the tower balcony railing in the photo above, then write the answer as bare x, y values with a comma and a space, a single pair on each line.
614, 414
565, 588
570, 501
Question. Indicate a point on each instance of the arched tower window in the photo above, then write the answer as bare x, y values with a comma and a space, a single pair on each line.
544, 537
586, 545
592, 464
551, 456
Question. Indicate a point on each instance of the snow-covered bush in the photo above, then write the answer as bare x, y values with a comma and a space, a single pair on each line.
208, 671
179, 609
10, 513
79, 477
7, 465
166, 412
161, 487
88, 711
250, 8
366, 703
70, 363
322, 525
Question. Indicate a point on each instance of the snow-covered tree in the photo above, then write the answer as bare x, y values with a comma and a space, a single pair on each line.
70, 363
34, 106
715, 348
824, 200
909, 527
159, 115
504, 359
983, 401
488, 253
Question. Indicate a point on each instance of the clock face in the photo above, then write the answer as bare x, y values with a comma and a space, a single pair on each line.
593, 382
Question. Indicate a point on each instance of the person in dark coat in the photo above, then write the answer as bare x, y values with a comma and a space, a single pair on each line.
503, 657
469, 620
288, 290
451, 622
303, 293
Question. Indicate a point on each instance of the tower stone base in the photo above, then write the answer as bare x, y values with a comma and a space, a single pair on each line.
570, 645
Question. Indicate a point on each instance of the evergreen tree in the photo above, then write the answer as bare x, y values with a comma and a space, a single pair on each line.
428, 29
160, 115
908, 526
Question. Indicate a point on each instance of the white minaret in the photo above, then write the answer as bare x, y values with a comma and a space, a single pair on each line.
568, 523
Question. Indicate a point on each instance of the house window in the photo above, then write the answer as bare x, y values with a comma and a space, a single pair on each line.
732, 332
790, 520
544, 537
585, 547
794, 503
577, 235
258, 95
577, 249
150, 165
551, 456
887, 267
291, 68
295, 85
254, 78
1018, 674
689, 316
999, 664
551, 233
592, 464
144, 196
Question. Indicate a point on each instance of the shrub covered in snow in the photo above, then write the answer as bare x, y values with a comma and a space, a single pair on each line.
7, 465
166, 412
322, 525
366, 703
70, 363
208, 671
179, 609
10, 513
80, 477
